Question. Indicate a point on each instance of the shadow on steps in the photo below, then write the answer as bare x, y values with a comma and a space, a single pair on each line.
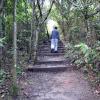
51, 69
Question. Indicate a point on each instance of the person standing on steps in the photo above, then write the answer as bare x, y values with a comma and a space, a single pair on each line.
54, 40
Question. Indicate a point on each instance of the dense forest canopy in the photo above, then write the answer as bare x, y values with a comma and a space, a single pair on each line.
23, 23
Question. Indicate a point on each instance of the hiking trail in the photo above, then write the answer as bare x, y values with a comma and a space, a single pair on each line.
53, 78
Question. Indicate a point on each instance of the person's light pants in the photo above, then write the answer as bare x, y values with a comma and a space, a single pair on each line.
54, 44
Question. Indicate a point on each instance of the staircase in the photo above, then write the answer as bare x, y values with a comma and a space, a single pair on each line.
47, 61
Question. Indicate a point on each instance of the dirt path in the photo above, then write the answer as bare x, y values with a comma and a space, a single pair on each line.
46, 82
69, 85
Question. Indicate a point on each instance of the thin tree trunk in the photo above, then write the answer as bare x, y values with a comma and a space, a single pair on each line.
27, 25
15, 41
91, 38
35, 45
32, 38
13, 70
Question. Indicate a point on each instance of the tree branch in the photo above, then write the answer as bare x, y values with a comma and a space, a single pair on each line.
90, 15
59, 6
38, 3
73, 3
48, 13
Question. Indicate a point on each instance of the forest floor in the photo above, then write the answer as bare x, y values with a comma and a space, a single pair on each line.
46, 82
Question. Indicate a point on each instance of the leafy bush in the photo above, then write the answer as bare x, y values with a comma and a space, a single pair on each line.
2, 41
74, 30
74, 33
88, 54
71, 53
18, 70
14, 90
97, 24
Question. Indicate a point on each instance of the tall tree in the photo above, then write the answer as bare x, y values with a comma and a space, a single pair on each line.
13, 70
37, 24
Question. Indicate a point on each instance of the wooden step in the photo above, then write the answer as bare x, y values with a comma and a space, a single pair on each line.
50, 67
50, 58
49, 42
50, 54
49, 51
59, 46
49, 48
51, 62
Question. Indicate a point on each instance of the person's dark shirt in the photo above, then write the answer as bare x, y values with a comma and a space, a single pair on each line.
55, 34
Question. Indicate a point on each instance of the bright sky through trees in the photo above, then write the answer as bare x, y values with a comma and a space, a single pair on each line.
50, 24
47, 3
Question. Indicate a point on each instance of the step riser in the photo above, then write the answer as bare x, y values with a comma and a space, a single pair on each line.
49, 49
50, 62
60, 43
57, 69
51, 58
50, 54
48, 46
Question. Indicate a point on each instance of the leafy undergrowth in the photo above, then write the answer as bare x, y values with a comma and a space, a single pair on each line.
88, 60
5, 76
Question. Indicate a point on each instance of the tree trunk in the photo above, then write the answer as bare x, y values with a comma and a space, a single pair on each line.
15, 41
35, 45
91, 38
34, 35
13, 89
27, 23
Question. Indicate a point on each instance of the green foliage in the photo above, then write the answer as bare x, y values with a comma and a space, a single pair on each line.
88, 54
24, 11
18, 70
2, 41
97, 24
55, 14
97, 46
14, 90
24, 15
9, 6
83, 47
71, 53
2, 76
90, 60
74, 33
74, 29
1, 44
9, 27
